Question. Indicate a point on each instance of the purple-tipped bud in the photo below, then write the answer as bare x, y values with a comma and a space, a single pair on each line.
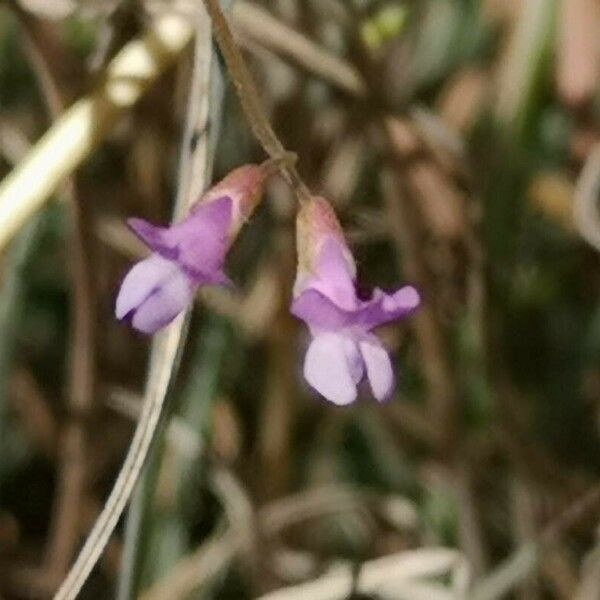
188, 254
343, 350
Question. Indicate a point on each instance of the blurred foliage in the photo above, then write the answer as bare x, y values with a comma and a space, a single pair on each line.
494, 427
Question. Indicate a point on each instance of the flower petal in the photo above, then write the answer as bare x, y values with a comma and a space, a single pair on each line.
318, 311
328, 370
383, 308
153, 293
335, 272
203, 238
199, 243
164, 303
379, 367
153, 236
355, 361
321, 312
139, 282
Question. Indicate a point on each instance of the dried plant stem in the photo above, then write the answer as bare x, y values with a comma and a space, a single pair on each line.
81, 128
130, 72
265, 30
166, 347
243, 82
250, 100
195, 171
396, 573
278, 415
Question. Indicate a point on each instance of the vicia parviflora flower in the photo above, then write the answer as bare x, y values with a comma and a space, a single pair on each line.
343, 350
188, 254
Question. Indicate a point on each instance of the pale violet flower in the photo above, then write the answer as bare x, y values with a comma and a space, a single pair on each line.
188, 254
343, 350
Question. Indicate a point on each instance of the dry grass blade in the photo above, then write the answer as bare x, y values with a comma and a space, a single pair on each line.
213, 556
195, 170
521, 62
261, 27
164, 354
163, 363
589, 586
397, 573
77, 133
585, 211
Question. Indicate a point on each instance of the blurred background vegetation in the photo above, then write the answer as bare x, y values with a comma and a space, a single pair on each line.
451, 135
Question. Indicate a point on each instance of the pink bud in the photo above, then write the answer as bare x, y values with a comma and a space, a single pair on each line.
245, 186
316, 223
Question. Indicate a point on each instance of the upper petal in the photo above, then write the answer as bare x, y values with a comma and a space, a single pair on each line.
154, 236
332, 274
203, 238
199, 243
379, 367
335, 272
330, 370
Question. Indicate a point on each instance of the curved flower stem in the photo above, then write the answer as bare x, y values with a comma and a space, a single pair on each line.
195, 171
249, 98
128, 74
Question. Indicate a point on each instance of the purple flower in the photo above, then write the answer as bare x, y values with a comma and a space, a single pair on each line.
188, 254
343, 351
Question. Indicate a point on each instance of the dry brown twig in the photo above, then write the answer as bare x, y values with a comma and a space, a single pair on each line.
278, 415
578, 50
250, 101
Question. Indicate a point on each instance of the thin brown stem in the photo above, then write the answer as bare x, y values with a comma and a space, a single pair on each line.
250, 100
